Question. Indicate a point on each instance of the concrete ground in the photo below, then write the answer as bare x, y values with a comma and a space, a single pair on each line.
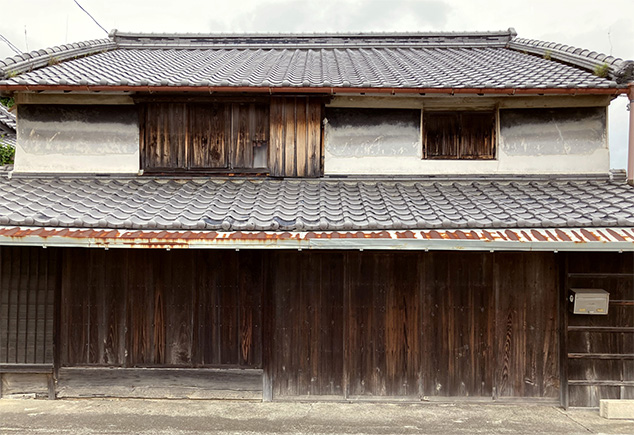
125, 416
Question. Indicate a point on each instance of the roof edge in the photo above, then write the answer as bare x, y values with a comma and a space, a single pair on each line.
622, 71
615, 239
306, 40
25, 62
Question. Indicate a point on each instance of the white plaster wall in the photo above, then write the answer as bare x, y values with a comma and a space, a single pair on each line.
580, 146
76, 139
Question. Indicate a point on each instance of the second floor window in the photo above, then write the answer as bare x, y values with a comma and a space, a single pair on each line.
222, 136
459, 135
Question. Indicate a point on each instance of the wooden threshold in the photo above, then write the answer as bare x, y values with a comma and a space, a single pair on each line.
160, 383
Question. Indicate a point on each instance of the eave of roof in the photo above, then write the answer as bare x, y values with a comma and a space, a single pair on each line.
529, 239
388, 78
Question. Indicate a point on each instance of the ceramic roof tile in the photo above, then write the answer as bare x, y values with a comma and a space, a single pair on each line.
311, 205
424, 60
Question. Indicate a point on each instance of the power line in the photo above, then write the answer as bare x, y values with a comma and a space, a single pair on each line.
11, 46
93, 18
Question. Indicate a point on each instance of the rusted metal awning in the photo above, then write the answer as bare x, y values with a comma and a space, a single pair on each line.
530, 239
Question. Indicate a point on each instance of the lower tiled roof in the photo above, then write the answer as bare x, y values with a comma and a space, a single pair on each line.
311, 205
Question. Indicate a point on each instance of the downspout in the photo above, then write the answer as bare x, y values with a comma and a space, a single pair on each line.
630, 153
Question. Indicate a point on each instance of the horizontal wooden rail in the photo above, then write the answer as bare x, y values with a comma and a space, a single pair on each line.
621, 302
595, 383
26, 368
600, 275
619, 356
626, 329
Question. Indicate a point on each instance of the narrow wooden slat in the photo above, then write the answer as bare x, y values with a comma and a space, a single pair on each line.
290, 137
622, 329
615, 275
314, 139
277, 135
620, 356
301, 136
603, 383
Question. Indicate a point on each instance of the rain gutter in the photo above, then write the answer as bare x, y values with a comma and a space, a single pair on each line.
316, 90
530, 239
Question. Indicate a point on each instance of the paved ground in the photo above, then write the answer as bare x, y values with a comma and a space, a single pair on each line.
227, 417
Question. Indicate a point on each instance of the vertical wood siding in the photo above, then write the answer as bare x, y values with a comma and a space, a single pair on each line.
348, 324
28, 283
135, 308
527, 333
295, 127
415, 324
600, 348
197, 136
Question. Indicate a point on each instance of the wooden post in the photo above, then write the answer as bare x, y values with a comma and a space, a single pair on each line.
563, 329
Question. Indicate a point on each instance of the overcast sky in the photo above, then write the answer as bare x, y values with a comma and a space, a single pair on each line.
596, 25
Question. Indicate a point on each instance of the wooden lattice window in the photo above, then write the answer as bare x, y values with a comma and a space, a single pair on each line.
459, 135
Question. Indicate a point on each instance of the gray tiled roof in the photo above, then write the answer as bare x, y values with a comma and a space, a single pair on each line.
485, 60
312, 205
7, 127
7, 119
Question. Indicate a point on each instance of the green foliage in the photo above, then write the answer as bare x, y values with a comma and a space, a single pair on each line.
7, 102
7, 152
602, 70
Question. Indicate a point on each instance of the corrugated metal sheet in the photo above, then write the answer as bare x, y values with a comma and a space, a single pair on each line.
579, 239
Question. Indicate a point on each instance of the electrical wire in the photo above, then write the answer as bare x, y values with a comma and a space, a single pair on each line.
93, 18
11, 46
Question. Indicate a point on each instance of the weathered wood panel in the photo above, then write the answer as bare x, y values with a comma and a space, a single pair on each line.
307, 318
28, 284
203, 136
295, 131
163, 136
154, 308
31, 384
527, 350
458, 324
600, 348
208, 135
383, 325
160, 383
419, 324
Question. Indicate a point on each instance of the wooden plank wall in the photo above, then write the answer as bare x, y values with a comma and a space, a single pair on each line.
306, 323
28, 284
414, 324
600, 349
295, 137
143, 308
202, 136
527, 324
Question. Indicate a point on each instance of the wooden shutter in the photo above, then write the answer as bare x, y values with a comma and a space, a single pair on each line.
295, 134
209, 135
163, 137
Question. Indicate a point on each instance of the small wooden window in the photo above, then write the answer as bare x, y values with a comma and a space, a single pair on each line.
204, 136
459, 135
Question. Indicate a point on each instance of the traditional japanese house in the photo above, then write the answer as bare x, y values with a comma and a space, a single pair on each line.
425, 216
